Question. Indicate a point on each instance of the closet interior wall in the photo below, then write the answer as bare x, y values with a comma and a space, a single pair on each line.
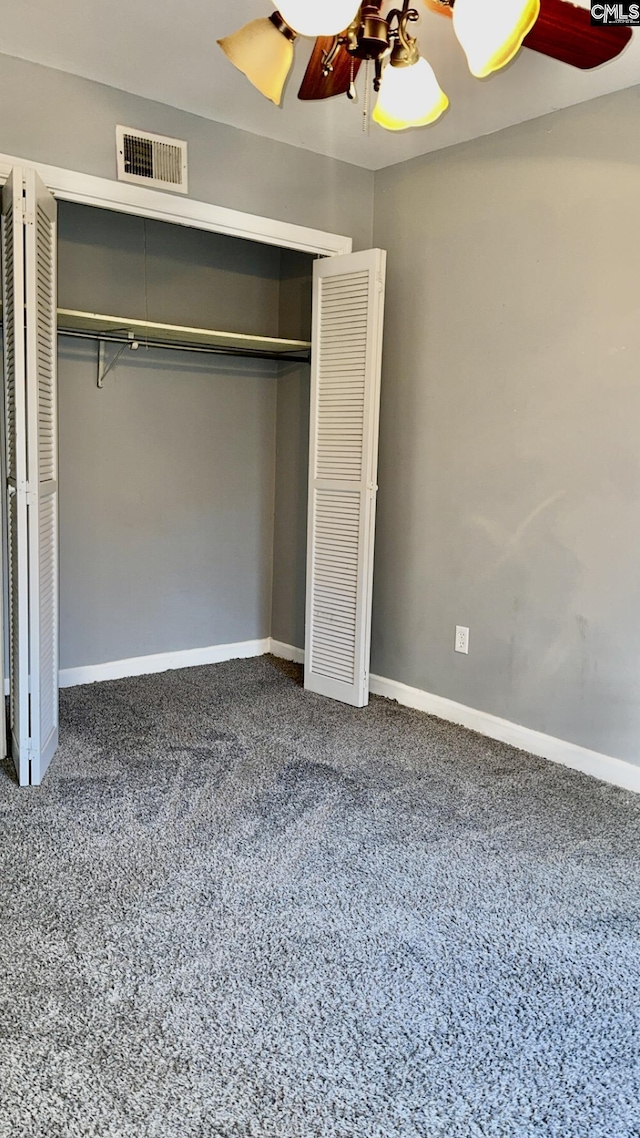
182, 480
292, 457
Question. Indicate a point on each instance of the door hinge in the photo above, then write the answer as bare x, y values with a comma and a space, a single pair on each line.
27, 216
24, 488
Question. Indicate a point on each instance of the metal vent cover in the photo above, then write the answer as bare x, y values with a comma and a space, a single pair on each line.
151, 159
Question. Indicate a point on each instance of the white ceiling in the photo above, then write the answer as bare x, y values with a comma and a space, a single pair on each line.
166, 50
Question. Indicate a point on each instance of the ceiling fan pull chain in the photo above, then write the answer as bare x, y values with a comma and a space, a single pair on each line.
352, 93
365, 105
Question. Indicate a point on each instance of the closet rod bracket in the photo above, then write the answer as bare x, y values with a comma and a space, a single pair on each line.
103, 367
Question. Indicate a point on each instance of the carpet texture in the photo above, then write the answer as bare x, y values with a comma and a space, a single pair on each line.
239, 910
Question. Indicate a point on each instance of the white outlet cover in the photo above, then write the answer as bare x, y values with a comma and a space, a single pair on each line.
462, 639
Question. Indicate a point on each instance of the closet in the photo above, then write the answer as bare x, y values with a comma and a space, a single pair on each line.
167, 470
179, 477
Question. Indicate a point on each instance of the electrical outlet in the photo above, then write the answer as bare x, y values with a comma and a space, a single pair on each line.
462, 639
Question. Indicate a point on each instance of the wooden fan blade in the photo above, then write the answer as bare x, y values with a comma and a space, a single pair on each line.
315, 85
564, 32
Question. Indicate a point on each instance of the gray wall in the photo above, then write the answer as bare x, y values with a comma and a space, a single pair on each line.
290, 519
120, 264
166, 504
509, 464
49, 116
292, 457
167, 473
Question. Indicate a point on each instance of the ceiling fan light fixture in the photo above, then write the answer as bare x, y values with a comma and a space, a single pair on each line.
491, 31
263, 51
410, 95
319, 17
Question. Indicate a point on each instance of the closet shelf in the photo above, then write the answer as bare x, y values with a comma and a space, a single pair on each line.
120, 329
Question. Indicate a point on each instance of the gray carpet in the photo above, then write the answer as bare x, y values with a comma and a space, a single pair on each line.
237, 910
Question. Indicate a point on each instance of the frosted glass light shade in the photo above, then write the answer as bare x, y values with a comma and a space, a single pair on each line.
263, 54
318, 17
491, 31
409, 96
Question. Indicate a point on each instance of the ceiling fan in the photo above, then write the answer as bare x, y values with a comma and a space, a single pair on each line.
491, 32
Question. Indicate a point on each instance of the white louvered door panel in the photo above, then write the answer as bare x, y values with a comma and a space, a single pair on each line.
15, 430
42, 469
30, 411
348, 303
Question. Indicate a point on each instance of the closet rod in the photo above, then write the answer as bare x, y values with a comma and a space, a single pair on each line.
144, 342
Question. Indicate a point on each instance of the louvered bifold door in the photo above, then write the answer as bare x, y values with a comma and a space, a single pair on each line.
15, 430
348, 303
29, 288
42, 469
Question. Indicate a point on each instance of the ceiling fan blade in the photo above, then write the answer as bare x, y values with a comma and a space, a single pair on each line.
439, 7
564, 32
315, 84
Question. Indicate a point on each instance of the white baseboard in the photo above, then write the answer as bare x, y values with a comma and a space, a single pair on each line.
162, 662
286, 651
604, 767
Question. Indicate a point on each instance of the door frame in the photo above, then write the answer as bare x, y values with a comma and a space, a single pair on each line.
106, 193
142, 201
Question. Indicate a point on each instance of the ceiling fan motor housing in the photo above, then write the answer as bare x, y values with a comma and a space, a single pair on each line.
372, 35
